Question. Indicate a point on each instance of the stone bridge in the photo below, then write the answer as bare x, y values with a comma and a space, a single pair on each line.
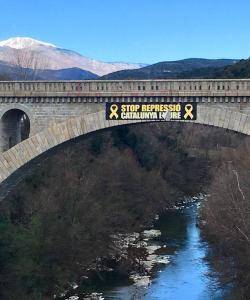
35, 117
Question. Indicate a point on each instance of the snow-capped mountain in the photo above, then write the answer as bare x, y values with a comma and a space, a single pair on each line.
22, 43
56, 58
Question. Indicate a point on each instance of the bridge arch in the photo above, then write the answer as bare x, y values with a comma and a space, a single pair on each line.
22, 107
58, 133
14, 126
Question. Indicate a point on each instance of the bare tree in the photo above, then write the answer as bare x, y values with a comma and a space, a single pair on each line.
4, 77
227, 215
28, 63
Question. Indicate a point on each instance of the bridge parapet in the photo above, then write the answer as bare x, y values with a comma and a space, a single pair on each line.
100, 90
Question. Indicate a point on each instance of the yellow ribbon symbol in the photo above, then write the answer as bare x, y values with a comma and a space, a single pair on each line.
188, 109
113, 109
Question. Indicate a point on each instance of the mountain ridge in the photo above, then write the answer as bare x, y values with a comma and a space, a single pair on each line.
10, 72
170, 69
63, 64
56, 58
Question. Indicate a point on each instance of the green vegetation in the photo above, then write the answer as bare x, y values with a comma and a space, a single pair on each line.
60, 220
188, 69
239, 70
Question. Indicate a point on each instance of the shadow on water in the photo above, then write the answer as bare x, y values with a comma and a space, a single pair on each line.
173, 227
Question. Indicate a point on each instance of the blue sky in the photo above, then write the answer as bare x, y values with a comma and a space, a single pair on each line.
135, 31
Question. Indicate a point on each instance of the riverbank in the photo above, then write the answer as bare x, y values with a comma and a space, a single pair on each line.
137, 256
170, 235
185, 270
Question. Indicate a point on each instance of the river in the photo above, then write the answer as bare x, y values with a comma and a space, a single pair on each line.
187, 276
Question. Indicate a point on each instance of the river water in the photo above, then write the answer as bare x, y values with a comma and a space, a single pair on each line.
187, 275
